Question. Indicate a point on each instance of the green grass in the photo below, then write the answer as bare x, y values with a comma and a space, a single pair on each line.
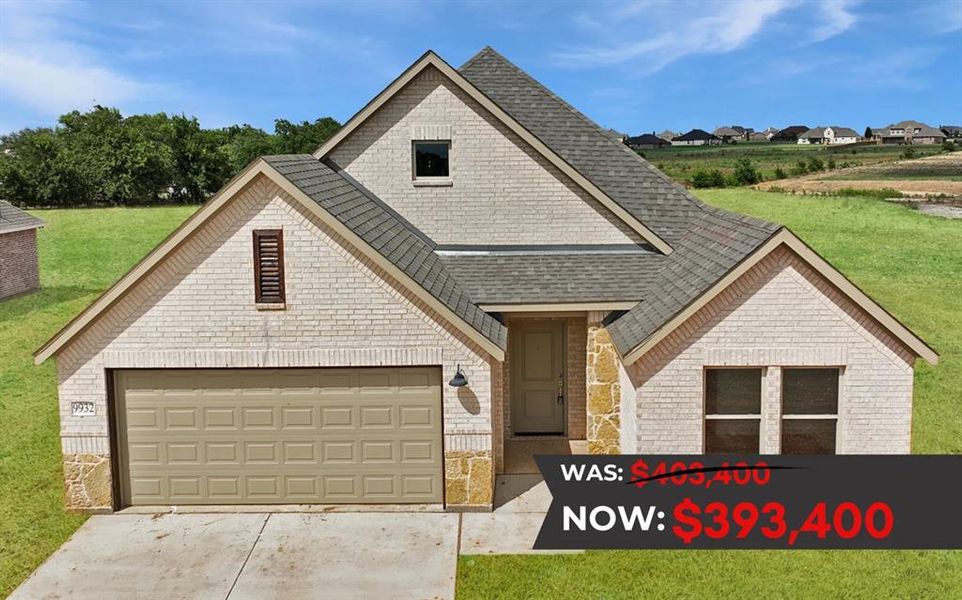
912, 265
680, 162
910, 262
81, 252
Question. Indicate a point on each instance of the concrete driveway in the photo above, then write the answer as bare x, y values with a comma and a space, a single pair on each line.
277, 555
225, 553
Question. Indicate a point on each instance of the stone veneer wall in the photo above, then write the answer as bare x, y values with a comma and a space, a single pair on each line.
468, 478
196, 310
604, 390
779, 314
19, 270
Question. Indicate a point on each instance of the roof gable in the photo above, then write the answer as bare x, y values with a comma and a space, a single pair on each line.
672, 301
355, 215
549, 152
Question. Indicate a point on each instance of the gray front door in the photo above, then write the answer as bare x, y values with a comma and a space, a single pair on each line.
537, 376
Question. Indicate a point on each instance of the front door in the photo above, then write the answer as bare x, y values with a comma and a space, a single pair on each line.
537, 376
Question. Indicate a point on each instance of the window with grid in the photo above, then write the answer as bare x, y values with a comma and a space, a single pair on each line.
809, 410
733, 410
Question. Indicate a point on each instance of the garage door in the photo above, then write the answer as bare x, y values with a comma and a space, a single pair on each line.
263, 436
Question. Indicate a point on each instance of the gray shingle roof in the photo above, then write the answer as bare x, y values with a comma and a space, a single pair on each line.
542, 278
393, 238
625, 177
13, 219
707, 242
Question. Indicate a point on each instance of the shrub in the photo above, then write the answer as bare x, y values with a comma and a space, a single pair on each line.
831, 163
878, 194
780, 173
949, 146
815, 164
909, 152
707, 178
745, 172
800, 168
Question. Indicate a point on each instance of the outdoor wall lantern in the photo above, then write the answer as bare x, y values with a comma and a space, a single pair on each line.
459, 380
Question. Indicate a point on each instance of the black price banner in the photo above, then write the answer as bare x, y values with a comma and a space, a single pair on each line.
752, 501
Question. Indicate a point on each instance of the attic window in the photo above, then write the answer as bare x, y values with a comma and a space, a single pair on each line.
269, 268
431, 159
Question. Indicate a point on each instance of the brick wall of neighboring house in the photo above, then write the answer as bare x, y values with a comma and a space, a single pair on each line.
500, 188
19, 270
780, 313
197, 310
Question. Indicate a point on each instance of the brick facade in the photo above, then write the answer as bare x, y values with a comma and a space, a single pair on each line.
19, 264
780, 313
197, 310
501, 192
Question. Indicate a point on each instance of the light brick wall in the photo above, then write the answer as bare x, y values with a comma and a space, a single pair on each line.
780, 313
18, 262
197, 310
502, 191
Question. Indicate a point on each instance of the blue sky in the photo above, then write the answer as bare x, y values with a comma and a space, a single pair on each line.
634, 66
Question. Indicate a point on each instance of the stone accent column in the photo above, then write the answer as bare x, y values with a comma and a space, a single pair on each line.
468, 479
87, 482
604, 391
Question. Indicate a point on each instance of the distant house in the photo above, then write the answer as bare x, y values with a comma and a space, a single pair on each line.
646, 141
19, 265
621, 137
952, 131
729, 135
760, 136
789, 134
908, 132
668, 135
829, 136
696, 137
769, 132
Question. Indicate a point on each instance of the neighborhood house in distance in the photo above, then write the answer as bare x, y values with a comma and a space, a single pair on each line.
904, 132
469, 270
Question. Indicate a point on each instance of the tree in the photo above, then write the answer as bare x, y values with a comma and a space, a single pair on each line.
303, 137
745, 172
868, 133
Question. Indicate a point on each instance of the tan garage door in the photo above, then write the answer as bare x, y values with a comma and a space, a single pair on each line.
263, 436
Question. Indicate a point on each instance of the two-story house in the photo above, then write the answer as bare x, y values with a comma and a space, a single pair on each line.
469, 264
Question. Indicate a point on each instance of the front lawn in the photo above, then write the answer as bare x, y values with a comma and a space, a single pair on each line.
82, 252
911, 263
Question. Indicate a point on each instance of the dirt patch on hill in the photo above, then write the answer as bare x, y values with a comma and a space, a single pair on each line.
939, 175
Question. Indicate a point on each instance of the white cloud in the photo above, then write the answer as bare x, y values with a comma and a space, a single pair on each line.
669, 32
835, 17
42, 69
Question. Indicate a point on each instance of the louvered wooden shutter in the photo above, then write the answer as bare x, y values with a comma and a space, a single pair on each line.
269, 266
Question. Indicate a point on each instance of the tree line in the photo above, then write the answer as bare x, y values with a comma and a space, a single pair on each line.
101, 158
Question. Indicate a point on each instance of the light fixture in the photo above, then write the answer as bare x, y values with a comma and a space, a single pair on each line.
459, 380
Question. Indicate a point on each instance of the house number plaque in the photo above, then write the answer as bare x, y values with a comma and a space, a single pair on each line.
82, 409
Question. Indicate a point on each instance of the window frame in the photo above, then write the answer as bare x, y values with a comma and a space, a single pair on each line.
783, 416
271, 302
429, 179
706, 416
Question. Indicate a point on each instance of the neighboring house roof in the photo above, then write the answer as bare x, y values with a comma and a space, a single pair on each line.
667, 134
845, 132
13, 219
791, 132
694, 135
555, 277
729, 132
925, 130
951, 130
646, 139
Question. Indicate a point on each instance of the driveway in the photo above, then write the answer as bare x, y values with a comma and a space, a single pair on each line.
248, 555
278, 555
